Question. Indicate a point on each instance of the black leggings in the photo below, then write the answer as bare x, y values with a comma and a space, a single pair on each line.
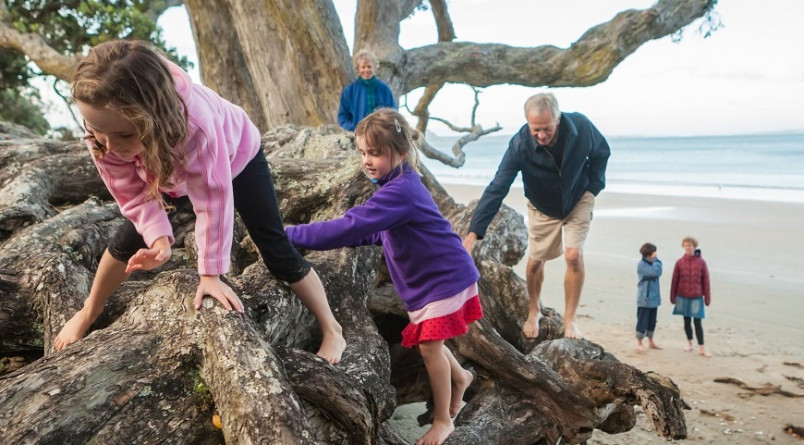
255, 201
698, 329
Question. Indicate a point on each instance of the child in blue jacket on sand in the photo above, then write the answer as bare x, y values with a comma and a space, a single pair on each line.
649, 298
431, 271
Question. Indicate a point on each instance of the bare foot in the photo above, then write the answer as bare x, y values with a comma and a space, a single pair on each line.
571, 330
640, 348
332, 346
653, 345
73, 330
702, 352
531, 326
458, 388
437, 433
688, 348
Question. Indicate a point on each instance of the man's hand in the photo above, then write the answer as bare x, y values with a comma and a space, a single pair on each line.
469, 242
213, 286
147, 259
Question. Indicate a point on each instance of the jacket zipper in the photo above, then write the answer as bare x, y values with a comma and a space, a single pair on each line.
559, 174
554, 160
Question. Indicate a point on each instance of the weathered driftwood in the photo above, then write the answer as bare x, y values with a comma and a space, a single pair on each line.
153, 369
762, 390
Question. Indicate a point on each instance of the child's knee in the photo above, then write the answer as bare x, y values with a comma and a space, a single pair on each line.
430, 349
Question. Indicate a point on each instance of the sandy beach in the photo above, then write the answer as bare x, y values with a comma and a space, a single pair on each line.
752, 329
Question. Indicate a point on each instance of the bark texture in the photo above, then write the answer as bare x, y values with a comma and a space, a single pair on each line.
153, 369
284, 61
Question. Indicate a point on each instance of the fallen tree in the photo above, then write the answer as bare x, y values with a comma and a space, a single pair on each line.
153, 369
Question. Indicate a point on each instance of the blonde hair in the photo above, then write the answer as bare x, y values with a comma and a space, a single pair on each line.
541, 102
690, 240
366, 55
131, 77
389, 133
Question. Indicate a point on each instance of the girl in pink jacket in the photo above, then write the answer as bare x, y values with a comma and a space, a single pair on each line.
160, 143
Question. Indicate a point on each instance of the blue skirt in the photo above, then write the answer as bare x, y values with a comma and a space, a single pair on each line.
690, 307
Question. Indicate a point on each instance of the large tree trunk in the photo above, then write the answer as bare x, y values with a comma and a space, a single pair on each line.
153, 369
283, 61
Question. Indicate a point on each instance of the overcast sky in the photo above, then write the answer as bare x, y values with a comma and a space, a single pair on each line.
748, 77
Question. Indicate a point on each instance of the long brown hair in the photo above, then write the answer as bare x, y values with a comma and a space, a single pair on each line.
388, 132
131, 78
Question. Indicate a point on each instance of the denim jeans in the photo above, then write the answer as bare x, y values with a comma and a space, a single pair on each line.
646, 322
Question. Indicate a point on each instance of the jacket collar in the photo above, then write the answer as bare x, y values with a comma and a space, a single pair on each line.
400, 170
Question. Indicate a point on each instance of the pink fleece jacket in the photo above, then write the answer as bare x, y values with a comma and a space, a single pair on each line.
221, 140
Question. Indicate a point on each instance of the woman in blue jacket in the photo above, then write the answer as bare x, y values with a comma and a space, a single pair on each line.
366, 94
649, 270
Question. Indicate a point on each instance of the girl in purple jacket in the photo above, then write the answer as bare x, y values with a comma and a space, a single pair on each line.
431, 271
160, 143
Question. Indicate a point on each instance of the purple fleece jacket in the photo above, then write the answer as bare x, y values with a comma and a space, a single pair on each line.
426, 259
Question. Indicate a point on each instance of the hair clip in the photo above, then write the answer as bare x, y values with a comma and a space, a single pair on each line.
398, 127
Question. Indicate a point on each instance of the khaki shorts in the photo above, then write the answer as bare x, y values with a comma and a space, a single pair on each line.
544, 232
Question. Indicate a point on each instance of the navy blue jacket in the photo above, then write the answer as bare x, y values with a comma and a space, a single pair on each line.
551, 190
353, 106
648, 294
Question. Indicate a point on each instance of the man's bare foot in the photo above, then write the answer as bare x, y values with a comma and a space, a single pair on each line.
531, 326
437, 433
332, 346
571, 330
688, 348
73, 330
653, 345
640, 347
702, 352
458, 388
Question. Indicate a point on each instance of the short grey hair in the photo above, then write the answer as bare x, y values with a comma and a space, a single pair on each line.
368, 56
541, 102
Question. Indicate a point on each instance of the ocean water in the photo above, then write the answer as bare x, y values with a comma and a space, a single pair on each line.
758, 167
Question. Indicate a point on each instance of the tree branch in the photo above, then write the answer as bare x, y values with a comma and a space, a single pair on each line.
155, 9
446, 32
67, 103
422, 108
460, 156
588, 61
36, 48
475, 131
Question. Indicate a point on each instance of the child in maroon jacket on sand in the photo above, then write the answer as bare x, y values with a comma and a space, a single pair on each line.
689, 291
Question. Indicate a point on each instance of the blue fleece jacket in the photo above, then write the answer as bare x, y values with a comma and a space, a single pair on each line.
354, 106
649, 271
425, 258
552, 190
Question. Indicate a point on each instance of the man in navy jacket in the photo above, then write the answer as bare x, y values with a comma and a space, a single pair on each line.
562, 158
